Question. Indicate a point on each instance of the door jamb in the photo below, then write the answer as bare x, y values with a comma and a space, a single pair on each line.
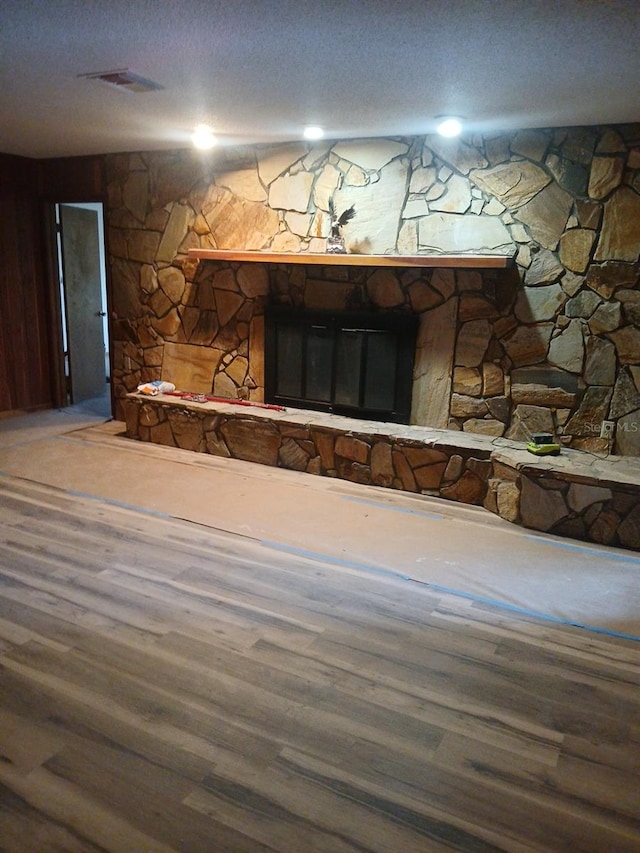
58, 379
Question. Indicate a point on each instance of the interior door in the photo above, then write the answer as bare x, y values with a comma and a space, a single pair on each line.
83, 298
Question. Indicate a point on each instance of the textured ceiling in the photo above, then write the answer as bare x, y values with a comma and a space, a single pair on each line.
259, 70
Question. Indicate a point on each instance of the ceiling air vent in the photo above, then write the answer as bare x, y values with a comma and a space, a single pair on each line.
125, 80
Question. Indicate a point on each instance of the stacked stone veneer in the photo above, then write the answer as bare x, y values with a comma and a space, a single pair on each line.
565, 496
553, 345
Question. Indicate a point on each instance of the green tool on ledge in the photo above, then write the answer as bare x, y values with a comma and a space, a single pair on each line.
543, 444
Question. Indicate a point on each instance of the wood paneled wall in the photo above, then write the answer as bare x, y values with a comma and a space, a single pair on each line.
30, 351
25, 376
69, 179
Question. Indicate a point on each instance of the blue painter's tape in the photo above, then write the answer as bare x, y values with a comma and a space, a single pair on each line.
585, 549
333, 561
502, 605
377, 505
118, 504
523, 611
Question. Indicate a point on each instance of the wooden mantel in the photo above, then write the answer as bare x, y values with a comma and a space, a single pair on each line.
458, 261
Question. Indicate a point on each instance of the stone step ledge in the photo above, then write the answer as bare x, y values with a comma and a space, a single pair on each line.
576, 494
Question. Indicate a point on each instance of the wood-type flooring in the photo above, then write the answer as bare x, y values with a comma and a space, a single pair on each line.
168, 687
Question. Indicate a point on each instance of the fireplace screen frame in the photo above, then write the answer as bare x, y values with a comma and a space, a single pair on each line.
358, 364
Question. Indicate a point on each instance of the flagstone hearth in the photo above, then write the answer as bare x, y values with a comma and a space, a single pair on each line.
577, 494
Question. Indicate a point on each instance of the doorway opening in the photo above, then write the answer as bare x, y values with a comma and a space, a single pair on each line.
83, 301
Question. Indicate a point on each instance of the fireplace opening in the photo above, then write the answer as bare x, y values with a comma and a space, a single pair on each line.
355, 364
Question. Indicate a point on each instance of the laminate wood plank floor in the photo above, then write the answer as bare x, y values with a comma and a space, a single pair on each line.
168, 687
442, 543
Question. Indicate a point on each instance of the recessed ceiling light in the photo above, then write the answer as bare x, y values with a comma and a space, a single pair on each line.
312, 131
203, 137
449, 126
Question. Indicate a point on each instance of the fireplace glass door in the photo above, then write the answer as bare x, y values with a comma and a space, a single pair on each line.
353, 364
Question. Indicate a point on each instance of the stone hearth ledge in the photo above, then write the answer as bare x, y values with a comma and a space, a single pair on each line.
577, 494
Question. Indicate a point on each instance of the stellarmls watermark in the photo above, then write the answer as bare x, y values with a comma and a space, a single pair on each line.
598, 428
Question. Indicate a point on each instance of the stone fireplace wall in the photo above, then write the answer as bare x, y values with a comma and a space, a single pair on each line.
551, 345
